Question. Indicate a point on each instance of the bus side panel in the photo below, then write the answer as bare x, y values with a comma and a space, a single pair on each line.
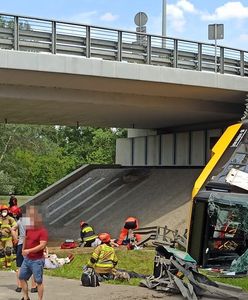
197, 232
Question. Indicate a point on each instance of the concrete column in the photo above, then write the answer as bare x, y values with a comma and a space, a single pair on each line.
124, 152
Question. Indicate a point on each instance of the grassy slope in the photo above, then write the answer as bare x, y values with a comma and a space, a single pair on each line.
138, 261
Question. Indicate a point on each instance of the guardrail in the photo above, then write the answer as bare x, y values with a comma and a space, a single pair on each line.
57, 37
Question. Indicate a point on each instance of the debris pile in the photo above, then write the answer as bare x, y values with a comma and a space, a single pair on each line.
175, 272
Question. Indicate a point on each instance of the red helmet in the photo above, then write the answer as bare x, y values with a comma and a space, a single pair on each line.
104, 237
4, 207
82, 223
15, 210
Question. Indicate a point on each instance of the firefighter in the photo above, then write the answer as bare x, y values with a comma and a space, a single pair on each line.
104, 259
87, 234
127, 237
7, 233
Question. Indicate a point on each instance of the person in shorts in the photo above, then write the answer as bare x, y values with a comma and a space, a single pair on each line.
34, 243
16, 213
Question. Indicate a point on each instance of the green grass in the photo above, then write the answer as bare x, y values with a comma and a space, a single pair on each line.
240, 282
137, 261
21, 199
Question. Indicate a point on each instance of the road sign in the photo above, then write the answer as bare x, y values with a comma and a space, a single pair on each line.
216, 31
140, 19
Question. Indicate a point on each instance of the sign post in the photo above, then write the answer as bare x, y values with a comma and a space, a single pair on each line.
215, 32
140, 20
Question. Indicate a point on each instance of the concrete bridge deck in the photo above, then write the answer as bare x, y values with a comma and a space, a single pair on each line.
53, 72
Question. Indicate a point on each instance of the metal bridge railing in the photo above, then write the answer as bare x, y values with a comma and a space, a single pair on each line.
57, 37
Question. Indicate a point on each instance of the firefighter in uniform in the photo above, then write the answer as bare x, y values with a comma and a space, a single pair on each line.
7, 233
104, 259
127, 237
87, 234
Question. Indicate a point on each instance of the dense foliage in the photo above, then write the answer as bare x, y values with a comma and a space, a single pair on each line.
33, 157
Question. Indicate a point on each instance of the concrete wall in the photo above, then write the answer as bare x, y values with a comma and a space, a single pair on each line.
192, 148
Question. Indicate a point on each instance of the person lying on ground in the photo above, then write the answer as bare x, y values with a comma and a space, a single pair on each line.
53, 262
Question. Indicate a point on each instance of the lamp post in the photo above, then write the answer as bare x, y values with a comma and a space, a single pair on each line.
164, 22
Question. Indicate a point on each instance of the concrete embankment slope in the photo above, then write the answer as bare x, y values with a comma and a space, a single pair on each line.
106, 196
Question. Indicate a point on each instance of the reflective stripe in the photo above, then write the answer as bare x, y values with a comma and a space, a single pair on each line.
90, 238
87, 229
102, 265
105, 257
5, 238
6, 226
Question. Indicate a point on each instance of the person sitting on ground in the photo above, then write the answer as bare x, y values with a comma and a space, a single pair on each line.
127, 237
87, 235
103, 259
53, 262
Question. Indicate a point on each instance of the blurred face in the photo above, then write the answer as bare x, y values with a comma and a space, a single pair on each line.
34, 217
4, 212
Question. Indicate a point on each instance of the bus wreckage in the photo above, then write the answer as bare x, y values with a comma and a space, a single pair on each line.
218, 231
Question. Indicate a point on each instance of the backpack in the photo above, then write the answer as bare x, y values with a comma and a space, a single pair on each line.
89, 278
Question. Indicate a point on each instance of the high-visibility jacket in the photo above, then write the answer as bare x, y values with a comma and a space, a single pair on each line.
103, 259
125, 231
6, 224
88, 234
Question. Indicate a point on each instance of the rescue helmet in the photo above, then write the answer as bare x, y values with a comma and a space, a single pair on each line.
4, 210
104, 237
15, 210
82, 224
131, 223
4, 207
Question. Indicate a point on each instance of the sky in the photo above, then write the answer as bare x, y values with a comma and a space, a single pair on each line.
187, 19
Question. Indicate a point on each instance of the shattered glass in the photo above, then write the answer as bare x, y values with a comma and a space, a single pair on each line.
228, 224
240, 265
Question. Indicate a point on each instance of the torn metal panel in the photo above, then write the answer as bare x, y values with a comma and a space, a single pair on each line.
238, 178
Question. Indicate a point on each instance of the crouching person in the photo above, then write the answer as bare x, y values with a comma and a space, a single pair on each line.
34, 244
103, 260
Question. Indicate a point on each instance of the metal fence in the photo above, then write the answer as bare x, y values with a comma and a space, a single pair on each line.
57, 37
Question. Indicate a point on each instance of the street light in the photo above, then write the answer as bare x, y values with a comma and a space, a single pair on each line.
163, 22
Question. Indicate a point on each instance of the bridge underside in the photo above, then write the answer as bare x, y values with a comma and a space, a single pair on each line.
44, 93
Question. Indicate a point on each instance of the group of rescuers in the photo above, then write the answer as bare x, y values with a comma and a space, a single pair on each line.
103, 259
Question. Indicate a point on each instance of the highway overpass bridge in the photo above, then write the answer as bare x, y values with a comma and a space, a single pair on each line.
54, 72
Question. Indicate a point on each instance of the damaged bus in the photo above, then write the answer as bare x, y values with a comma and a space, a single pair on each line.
218, 231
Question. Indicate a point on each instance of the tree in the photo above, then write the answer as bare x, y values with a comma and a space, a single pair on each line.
34, 157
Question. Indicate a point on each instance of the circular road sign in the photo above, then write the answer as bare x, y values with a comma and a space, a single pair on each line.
140, 19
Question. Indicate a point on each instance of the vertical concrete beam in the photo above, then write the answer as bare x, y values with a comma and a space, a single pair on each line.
167, 150
139, 154
124, 152
182, 149
197, 155
153, 145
